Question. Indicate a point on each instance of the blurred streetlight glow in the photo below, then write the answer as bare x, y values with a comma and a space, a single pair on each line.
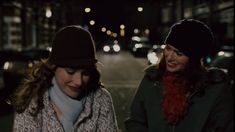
106, 48
92, 22
6, 65
221, 53
87, 10
136, 30
122, 32
135, 38
48, 12
16, 19
147, 31
108, 32
114, 35
122, 26
103, 29
140, 9
116, 48
226, 54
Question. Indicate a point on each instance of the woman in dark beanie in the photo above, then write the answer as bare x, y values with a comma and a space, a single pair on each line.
64, 93
180, 94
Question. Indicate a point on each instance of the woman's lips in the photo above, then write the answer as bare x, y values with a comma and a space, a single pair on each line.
171, 65
75, 89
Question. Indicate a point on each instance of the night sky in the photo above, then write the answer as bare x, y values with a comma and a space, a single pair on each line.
112, 13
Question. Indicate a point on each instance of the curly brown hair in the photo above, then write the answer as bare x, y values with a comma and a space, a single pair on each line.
39, 81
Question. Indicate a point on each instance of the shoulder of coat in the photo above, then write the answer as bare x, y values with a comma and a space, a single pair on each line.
217, 74
150, 68
153, 73
102, 93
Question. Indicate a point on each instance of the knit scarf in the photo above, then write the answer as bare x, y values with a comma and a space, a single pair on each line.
175, 102
70, 108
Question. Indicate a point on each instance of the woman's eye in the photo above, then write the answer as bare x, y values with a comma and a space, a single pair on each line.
179, 53
70, 71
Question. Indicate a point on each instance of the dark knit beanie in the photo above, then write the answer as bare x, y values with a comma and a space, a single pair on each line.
191, 37
73, 46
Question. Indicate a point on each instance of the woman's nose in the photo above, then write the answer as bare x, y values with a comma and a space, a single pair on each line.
77, 78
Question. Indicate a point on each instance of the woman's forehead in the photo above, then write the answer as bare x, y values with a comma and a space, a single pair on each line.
172, 47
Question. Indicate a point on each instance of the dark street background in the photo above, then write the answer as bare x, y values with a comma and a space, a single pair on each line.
121, 75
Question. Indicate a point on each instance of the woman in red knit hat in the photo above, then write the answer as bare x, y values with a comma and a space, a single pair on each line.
180, 94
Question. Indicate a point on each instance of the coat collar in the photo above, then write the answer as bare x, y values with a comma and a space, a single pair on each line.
88, 107
91, 107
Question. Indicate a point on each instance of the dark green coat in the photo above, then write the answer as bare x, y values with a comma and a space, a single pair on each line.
212, 112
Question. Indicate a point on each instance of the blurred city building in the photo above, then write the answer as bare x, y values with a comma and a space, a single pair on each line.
32, 23
28, 24
218, 14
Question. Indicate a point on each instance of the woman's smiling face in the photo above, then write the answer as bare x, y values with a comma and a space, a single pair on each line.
71, 81
175, 60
